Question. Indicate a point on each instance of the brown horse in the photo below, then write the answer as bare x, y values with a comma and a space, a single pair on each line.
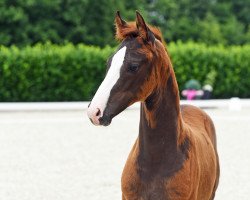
174, 156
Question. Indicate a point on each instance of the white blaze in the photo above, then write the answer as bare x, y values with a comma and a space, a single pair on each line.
102, 95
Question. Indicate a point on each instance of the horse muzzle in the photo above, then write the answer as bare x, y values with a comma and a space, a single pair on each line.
105, 120
97, 117
94, 114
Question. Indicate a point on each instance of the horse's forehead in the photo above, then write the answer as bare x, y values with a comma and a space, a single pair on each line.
131, 44
135, 49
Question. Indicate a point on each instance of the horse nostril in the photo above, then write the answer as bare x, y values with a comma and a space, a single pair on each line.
98, 112
91, 120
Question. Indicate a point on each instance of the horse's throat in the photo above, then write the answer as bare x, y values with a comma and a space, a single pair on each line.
159, 129
160, 113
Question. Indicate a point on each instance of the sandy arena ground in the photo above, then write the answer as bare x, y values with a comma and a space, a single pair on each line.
61, 156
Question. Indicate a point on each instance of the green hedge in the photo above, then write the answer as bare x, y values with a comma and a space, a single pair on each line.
72, 73
50, 72
226, 68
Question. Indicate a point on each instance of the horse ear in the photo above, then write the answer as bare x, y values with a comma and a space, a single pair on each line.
143, 29
119, 23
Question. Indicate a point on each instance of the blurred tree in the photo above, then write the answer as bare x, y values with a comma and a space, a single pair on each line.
44, 20
210, 30
98, 22
12, 17
164, 13
25, 22
247, 35
233, 31
241, 9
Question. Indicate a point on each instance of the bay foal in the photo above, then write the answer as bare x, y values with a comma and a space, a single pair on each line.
174, 156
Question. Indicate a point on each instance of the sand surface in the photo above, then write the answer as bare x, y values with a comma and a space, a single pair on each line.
62, 156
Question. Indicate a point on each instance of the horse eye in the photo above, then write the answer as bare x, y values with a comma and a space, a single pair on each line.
133, 67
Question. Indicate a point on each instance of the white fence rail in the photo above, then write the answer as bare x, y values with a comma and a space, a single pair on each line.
232, 104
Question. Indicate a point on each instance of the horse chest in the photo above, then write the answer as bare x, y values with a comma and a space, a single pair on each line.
154, 191
140, 190
153, 184
136, 187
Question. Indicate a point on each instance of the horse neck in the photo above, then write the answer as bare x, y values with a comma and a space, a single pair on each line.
160, 122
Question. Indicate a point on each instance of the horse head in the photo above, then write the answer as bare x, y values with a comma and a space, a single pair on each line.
132, 73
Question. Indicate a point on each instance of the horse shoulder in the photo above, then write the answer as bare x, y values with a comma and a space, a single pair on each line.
199, 122
201, 134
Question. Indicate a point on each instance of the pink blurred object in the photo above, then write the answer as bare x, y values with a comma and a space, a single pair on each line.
191, 94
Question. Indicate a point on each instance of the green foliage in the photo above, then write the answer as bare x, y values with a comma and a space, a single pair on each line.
227, 68
27, 22
51, 73
210, 78
210, 30
207, 21
73, 73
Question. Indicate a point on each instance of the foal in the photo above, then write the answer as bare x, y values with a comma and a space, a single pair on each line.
174, 156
